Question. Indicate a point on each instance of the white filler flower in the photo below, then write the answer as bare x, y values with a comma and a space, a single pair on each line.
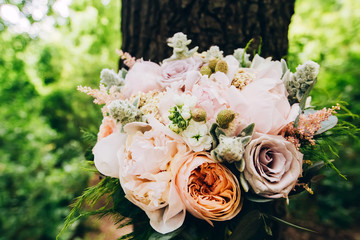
197, 136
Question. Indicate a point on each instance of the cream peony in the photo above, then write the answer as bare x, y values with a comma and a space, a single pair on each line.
148, 165
105, 154
272, 165
208, 189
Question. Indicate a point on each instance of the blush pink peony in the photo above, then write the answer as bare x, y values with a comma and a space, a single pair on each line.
263, 102
148, 166
142, 77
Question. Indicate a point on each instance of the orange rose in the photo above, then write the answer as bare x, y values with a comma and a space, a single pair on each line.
208, 189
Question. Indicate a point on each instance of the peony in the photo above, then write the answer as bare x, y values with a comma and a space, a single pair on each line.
174, 72
233, 66
208, 189
211, 97
105, 154
107, 127
263, 102
148, 165
142, 77
272, 165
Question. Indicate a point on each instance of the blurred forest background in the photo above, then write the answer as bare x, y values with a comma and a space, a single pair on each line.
49, 47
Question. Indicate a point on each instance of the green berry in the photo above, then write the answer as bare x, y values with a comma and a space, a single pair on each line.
225, 117
212, 63
198, 115
221, 66
205, 70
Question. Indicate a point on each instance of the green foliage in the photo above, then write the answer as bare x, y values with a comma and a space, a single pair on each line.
41, 114
327, 32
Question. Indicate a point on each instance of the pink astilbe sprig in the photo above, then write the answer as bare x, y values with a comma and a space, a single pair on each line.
307, 126
101, 95
127, 58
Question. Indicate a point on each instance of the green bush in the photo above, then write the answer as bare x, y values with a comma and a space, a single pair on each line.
42, 114
328, 32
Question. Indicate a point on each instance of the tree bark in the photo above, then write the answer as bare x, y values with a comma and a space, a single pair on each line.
146, 24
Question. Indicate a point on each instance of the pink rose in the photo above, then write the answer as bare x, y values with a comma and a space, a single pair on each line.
272, 165
142, 77
174, 72
263, 102
208, 189
148, 166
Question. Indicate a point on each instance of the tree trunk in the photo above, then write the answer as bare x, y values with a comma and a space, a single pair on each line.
146, 24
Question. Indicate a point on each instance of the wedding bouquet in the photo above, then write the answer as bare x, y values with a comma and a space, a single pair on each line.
205, 136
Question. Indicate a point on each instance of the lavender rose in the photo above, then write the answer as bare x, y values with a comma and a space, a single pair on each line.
174, 72
272, 165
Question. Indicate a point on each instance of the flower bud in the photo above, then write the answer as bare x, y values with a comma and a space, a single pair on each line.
221, 66
212, 63
225, 117
205, 70
198, 115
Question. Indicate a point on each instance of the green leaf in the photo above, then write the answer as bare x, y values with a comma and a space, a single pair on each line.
306, 94
327, 124
215, 132
122, 73
248, 131
90, 197
168, 236
243, 55
247, 227
257, 198
289, 224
